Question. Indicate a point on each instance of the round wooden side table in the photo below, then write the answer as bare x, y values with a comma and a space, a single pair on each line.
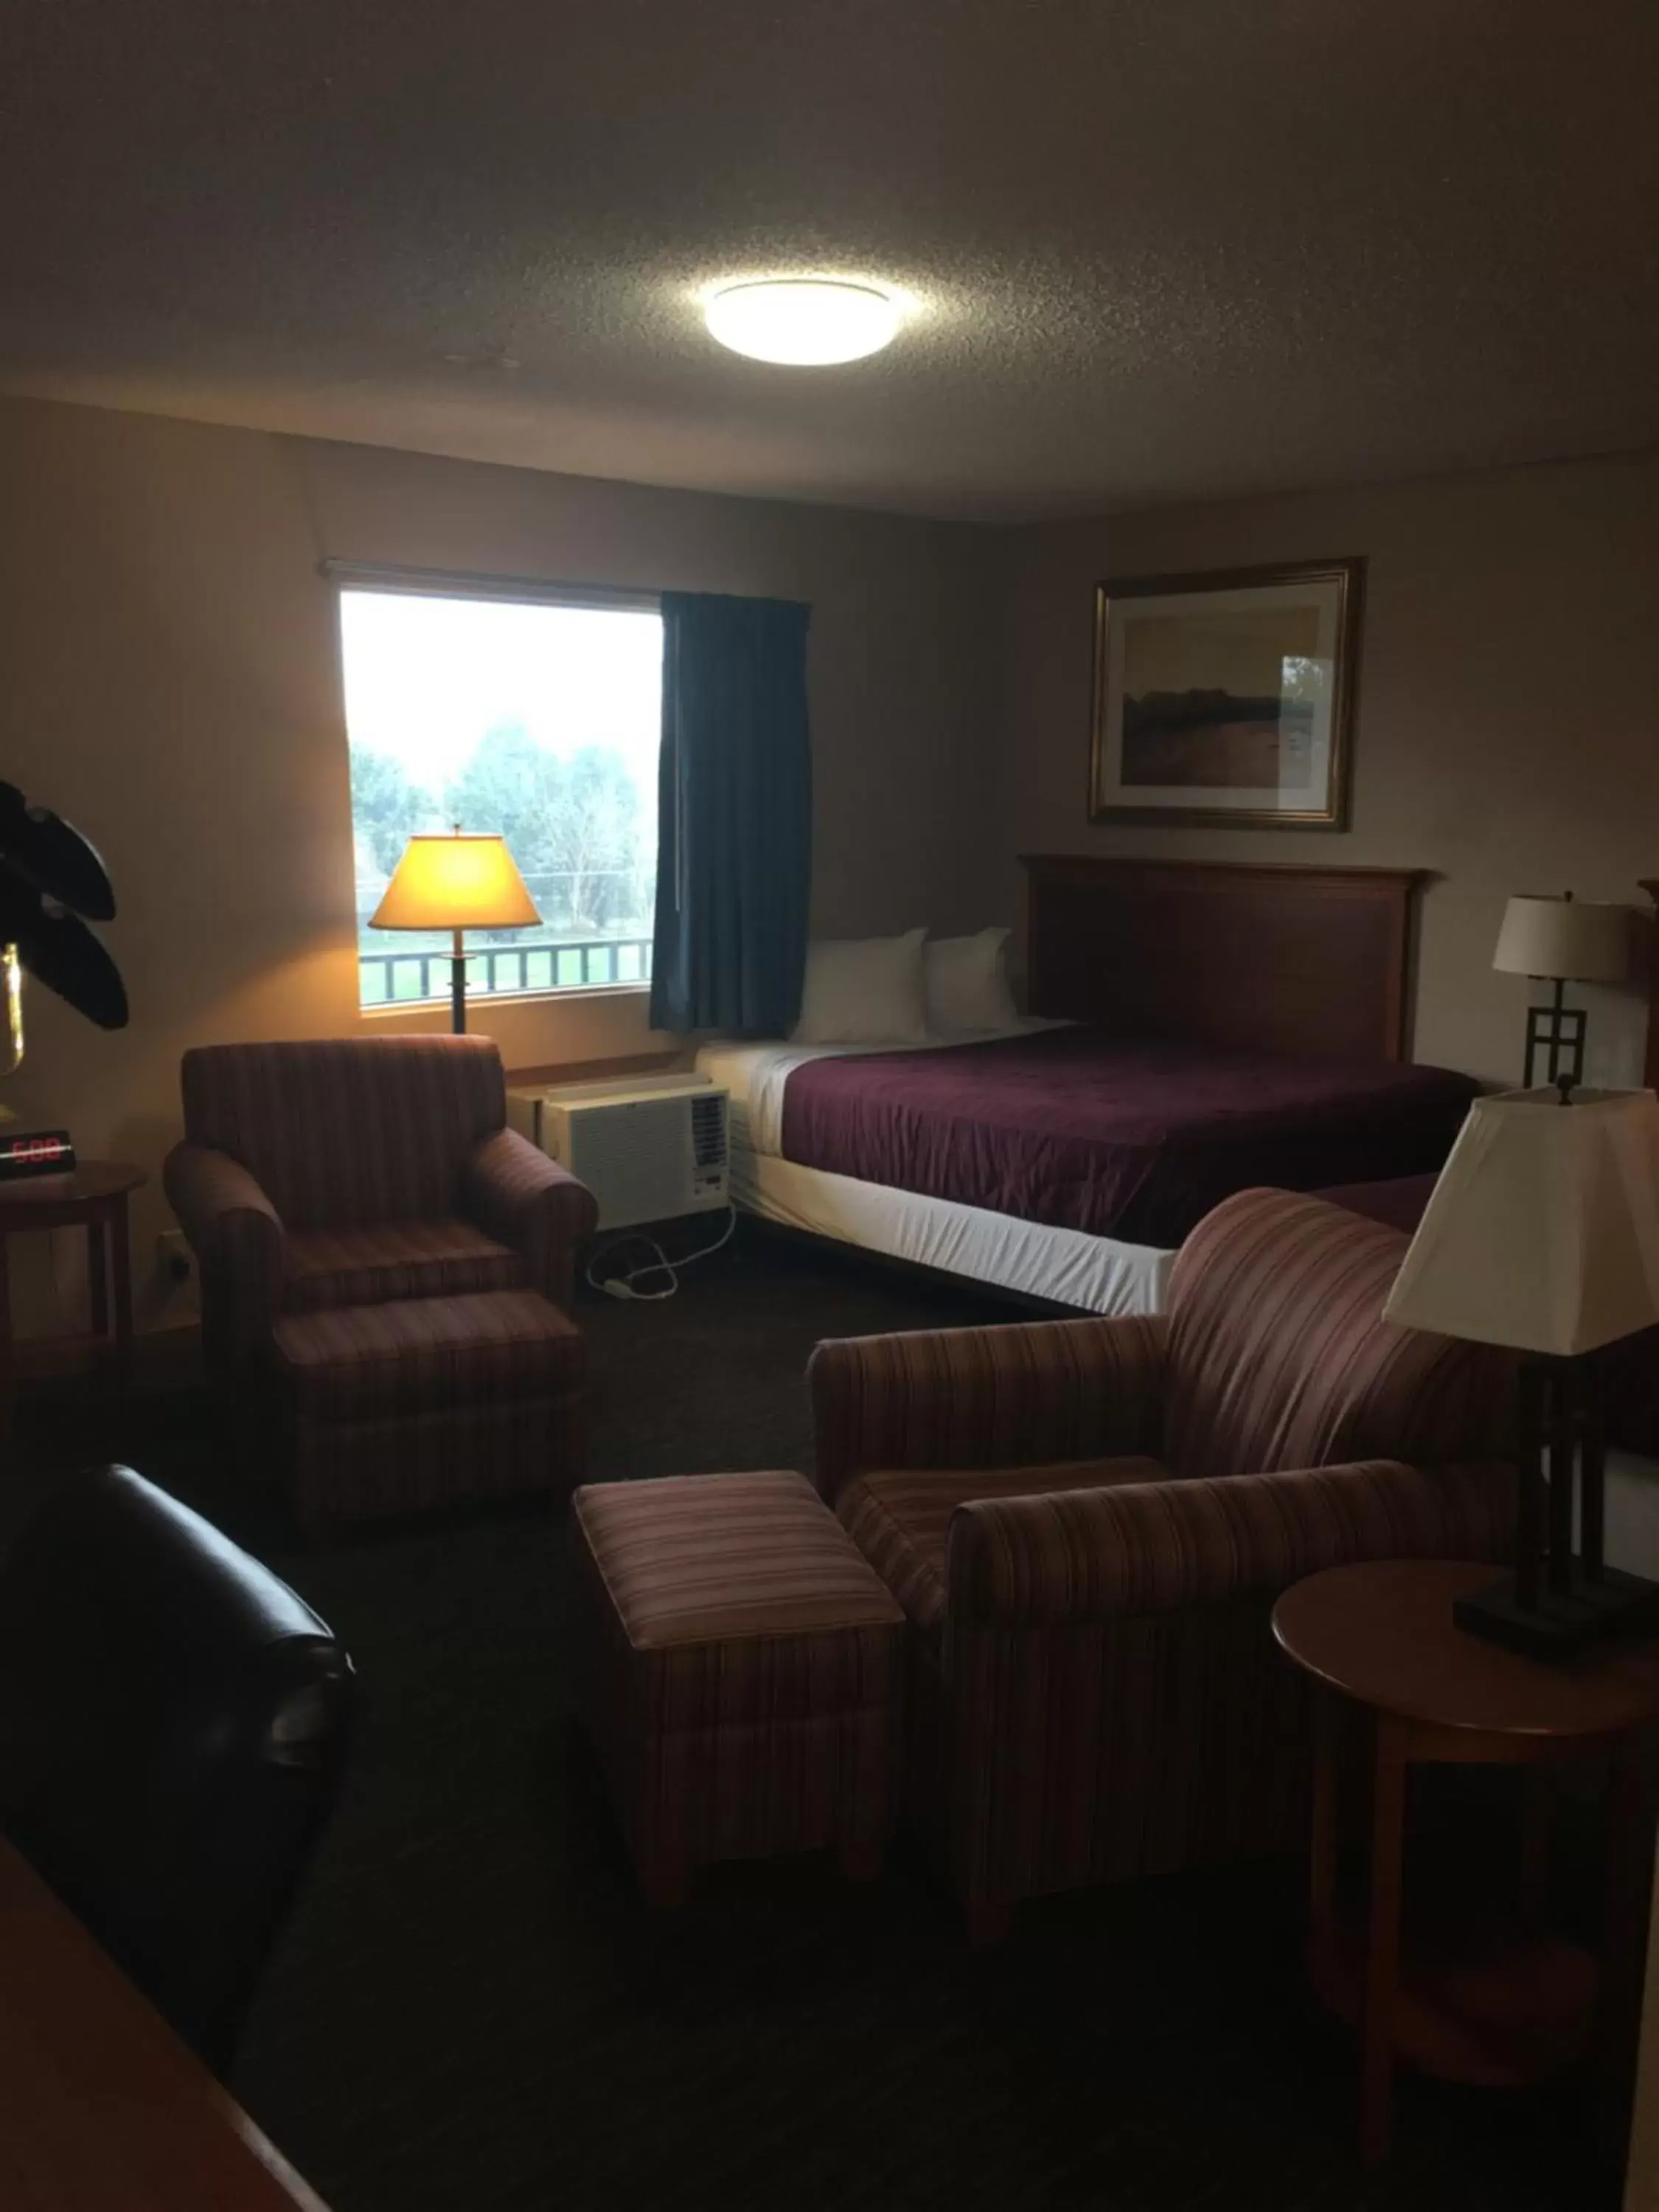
1492, 1996
94, 1197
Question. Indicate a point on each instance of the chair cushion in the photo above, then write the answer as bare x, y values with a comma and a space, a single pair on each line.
440, 1259
901, 1520
725, 1558
415, 1355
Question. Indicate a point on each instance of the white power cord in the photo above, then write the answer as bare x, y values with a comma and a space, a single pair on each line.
622, 1286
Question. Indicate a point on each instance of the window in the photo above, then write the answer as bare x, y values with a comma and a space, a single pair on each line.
538, 719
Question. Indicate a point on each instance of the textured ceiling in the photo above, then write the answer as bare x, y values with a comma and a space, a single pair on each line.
1164, 249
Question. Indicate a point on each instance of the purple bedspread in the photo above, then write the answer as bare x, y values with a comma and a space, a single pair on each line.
1131, 1141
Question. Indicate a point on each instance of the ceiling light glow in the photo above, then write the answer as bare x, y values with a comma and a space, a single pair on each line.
806, 322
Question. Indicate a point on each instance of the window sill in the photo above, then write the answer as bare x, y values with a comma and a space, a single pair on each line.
574, 994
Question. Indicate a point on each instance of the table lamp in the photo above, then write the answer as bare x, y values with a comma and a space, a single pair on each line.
1542, 1234
461, 881
1561, 940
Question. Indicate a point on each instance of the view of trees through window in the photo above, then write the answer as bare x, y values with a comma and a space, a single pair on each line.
540, 721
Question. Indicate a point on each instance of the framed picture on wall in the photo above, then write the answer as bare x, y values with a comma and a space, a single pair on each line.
1227, 697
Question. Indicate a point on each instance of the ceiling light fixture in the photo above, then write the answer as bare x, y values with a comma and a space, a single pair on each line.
806, 322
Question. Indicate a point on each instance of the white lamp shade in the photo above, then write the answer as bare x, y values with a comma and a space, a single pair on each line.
462, 882
1564, 939
1543, 1231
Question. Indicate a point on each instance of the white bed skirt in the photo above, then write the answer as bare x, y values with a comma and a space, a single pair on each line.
1095, 1273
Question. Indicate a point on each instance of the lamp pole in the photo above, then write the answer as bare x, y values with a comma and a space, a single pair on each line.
458, 985
457, 974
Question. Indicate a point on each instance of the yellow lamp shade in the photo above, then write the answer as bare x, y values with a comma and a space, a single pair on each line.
461, 882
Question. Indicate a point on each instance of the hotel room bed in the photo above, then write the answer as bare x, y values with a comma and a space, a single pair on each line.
1202, 1027
1068, 1267
1125, 1138
1061, 1162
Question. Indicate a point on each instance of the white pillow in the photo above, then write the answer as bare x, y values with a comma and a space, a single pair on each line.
966, 982
864, 990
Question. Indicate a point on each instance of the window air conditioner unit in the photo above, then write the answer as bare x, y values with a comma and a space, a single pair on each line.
650, 1148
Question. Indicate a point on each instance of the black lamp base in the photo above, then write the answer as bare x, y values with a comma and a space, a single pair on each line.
458, 988
1558, 1030
1562, 1622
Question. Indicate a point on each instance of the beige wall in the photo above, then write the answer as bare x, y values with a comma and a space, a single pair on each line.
170, 681
1508, 729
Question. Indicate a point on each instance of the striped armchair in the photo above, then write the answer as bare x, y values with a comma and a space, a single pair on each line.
1087, 1524
378, 1247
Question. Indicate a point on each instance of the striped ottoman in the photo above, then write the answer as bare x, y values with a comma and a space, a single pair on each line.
418, 1403
738, 1663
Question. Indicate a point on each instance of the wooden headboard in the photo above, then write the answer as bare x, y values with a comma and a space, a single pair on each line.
1301, 961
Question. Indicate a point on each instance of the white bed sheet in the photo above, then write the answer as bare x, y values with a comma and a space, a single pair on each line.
1097, 1275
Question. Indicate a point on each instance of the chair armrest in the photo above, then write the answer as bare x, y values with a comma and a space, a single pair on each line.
1147, 1547
1012, 1396
236, 1235
516, 1195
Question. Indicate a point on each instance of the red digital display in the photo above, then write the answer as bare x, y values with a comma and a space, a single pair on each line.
36, 1152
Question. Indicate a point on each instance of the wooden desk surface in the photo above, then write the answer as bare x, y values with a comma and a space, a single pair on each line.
102, 2109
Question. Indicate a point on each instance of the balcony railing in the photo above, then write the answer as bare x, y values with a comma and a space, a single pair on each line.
536, 963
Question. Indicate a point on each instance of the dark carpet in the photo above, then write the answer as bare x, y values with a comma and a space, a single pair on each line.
471, 2011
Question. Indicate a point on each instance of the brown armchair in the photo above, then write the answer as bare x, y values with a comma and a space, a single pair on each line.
376, 1243
1087, 1524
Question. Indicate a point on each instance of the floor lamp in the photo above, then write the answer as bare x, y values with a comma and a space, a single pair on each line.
1542, 1234
461, 881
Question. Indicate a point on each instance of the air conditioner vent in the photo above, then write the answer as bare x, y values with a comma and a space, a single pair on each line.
709, 1131
647, 1153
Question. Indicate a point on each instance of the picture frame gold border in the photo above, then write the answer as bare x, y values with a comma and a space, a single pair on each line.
1348, 574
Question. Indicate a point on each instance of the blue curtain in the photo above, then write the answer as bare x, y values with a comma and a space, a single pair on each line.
735, 826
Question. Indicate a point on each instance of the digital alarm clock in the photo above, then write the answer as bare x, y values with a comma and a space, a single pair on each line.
34, 1153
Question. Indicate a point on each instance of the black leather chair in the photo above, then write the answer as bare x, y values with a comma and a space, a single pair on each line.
172, 1720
